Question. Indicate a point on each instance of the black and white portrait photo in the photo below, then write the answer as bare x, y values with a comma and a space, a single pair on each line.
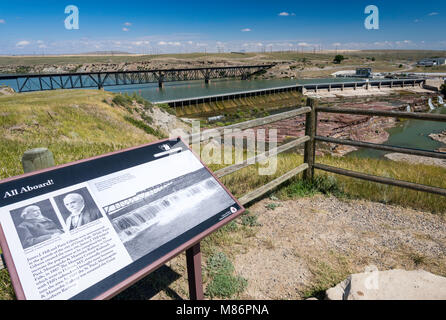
77, 208
36, 223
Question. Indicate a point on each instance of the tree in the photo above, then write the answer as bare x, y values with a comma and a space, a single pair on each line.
338, 59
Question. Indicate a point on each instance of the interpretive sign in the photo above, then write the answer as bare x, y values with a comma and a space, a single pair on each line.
90, 229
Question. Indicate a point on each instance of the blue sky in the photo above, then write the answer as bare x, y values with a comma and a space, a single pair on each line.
165, 26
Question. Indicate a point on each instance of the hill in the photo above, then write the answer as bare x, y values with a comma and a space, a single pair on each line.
73, 124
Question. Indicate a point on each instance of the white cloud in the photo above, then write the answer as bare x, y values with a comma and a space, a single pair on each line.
128, 24
434, 14
125, 29
23, 43
2, 21
246, 30
303, 44
284, 14
162, 43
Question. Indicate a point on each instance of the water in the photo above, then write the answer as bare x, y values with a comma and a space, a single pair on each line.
175, 214
163, 211
409, 134
191, 89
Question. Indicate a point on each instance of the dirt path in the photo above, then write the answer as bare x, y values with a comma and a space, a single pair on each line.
311, 243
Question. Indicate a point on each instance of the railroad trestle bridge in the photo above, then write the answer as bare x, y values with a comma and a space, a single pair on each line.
43, 82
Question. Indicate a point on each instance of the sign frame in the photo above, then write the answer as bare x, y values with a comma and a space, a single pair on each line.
192, 245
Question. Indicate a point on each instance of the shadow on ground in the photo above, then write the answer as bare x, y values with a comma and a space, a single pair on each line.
150, 286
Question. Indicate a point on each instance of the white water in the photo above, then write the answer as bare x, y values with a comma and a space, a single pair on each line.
431, 105
164, 210
408, 109
440, 100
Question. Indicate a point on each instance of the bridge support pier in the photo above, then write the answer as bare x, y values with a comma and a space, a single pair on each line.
160, 84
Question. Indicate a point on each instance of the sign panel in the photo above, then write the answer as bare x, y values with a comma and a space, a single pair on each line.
90, 229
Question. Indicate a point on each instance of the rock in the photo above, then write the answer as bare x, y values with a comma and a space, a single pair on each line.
416, 159
390, 285
6, 91
439, 137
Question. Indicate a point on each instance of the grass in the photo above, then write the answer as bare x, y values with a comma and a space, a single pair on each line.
73, 124
224, 283
247, 179
78, 124
326, 274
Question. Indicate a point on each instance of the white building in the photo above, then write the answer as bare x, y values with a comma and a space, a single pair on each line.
432, 62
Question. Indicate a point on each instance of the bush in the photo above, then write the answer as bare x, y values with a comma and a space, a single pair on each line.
249, 220
146, 128
338, 59
122, 100
223, 284
324, 184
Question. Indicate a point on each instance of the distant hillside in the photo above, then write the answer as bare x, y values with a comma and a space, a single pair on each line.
73, 124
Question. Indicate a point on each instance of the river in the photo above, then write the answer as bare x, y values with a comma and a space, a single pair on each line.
409, 134
191, 89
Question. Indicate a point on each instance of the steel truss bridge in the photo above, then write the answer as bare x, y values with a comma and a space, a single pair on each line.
114, 207
43, 82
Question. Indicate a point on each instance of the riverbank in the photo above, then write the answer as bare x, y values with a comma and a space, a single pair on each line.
289, 64
351, 127
416, 159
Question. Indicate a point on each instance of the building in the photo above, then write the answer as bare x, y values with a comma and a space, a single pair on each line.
364, 72
432, 62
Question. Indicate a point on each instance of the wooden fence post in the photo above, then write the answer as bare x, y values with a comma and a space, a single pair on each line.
310, 146
37, 159
33, 160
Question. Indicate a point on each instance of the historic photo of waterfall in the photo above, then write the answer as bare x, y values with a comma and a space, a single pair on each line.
154, 216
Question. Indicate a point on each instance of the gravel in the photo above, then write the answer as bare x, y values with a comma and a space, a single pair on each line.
321, 229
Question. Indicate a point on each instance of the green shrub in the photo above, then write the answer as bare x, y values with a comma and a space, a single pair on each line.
122, 100
321, 184
145, 127
226, 286
223, 284
338, 59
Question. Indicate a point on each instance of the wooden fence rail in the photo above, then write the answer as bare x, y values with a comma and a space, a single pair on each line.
310, 139
388, 181
208, 134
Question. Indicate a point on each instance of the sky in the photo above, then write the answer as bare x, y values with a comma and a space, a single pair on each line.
164, 26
